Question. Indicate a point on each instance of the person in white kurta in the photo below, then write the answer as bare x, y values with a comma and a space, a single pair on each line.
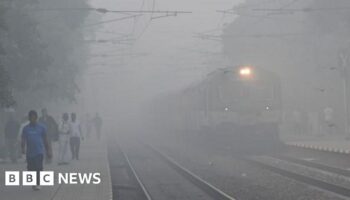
65, 132
75, 137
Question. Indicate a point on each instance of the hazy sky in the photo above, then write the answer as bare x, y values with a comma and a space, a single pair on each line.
172, 56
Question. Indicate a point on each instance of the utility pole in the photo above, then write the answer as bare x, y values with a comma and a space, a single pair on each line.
344, 60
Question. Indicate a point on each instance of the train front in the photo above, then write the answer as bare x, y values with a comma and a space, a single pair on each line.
243, 106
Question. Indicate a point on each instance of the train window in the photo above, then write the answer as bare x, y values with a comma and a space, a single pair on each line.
256, 91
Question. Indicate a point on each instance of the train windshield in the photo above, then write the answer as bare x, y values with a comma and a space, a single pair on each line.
252, 92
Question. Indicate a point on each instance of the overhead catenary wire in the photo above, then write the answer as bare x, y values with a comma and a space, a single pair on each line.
264, 17
115, 20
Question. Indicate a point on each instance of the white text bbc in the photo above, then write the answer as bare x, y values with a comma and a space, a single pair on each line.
47, 178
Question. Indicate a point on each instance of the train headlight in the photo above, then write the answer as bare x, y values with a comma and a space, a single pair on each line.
245, 71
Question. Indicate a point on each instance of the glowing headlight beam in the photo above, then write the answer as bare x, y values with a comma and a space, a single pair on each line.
245, 71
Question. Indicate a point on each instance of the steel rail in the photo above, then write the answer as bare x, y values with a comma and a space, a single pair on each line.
327, 168
211, 190
340, 190
135, 175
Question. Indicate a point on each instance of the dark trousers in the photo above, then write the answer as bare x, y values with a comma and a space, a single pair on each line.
49, 160
35, 164
74, 147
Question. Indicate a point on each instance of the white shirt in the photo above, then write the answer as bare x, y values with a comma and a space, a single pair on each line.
75, 129
64, 128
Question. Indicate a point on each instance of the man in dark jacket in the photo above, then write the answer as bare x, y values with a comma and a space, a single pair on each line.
51, 130
11, 135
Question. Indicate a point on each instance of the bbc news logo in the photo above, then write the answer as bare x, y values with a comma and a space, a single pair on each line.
47, 178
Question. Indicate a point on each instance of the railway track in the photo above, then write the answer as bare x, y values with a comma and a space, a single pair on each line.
125, 180
165, 177
309, 180
136, 177
324, 167
136, 163
199, 182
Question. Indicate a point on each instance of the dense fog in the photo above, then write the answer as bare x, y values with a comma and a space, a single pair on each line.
175, 99
180, 67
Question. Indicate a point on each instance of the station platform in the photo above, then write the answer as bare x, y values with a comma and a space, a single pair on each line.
335, 144
93, 158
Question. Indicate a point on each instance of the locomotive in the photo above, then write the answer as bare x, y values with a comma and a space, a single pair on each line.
235, 108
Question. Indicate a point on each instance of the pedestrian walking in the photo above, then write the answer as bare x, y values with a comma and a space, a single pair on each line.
76, 136
97, 121
34, 143
24, 123
51, 129
11, 137
64, 129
